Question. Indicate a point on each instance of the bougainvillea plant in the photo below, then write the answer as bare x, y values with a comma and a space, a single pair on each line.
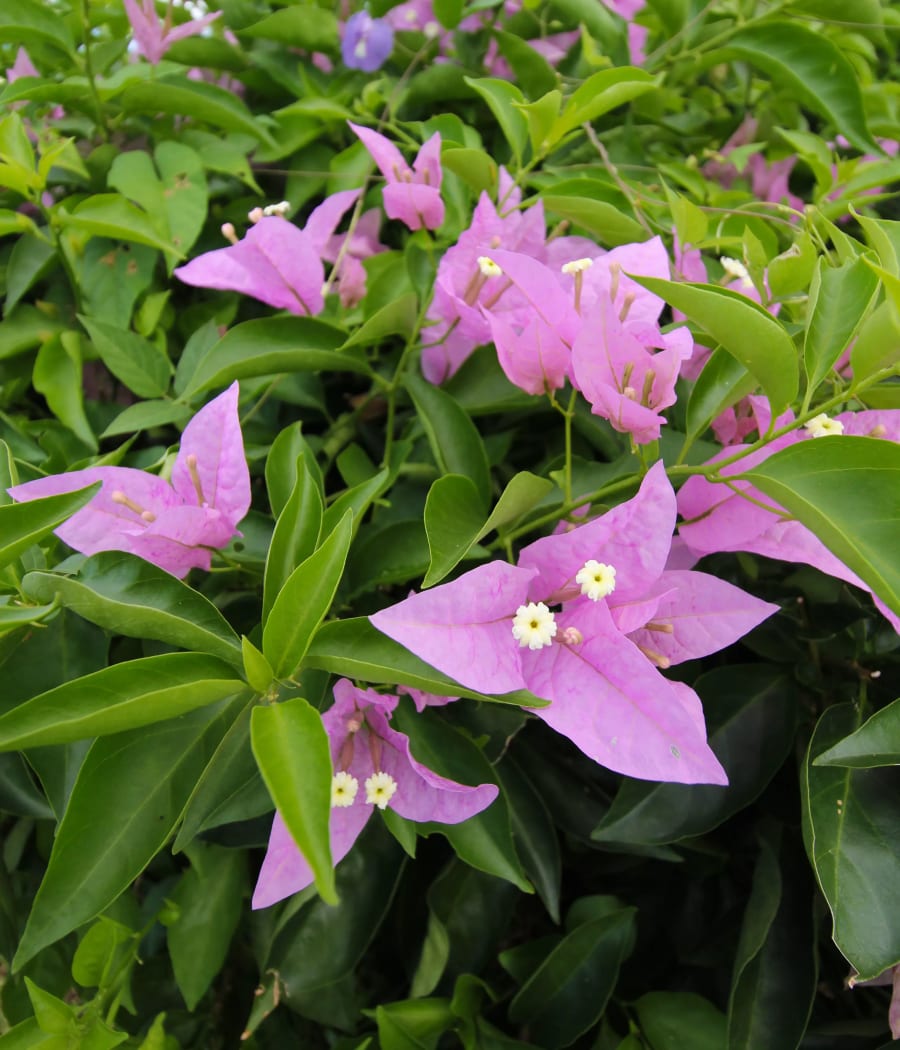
449, 525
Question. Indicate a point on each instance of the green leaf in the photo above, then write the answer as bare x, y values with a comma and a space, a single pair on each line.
127, 595
722, 383
209, 902
126, 800
102, 950
355, 649
600, 93
130, 357
675, 1020
455, 442
812, 68
774, 979
147, 414
603, 219
256, 667
500, 96
282, 465
204, 102
484, 841
111, 215
530, 69
118, 698
453, 519
297, 26
752, 717
839, 300
854, 845
296, 534
273, 344
23, 524
847, 491
29, 22
31, 259
534, 835
304, 600
875, 743
397, 318
744, 328
12, 617
292, 750
57, 375
878, 344
448, 12
568, 992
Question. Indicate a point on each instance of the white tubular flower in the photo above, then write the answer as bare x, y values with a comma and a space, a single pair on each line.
736, 269
488, 267
577, 265
596, 580
281, 209
534, 625
823, 426
380, 789
343, 790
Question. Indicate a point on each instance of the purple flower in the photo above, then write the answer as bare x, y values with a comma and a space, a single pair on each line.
173, 525
718, 518
623, 617
373, 767
153, 37
275, 262
367, 42
411, 195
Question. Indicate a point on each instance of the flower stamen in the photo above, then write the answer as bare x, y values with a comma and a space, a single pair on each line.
119, 497
191, 462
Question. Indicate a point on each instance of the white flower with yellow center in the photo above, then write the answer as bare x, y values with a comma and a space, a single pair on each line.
488, 267
577, 265
596, 580
823, 426
380, 789
343, 790
736, 269
534, 625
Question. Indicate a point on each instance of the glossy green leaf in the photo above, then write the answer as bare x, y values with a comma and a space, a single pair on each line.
131, 358
397, 318
722, 383
839, 300
57, 375
812, 68
282, 467
878, 344
775, 966
256, 667
209, 902
606, 221
30, 22
304, 600
875, 743
453, 519
675, 1020
534, 835
23, 524
118, 698
129, 793
111, 215
455, 442
356, 500
600, 93
294, 27
31, 259
182, 96
127, 595
530, 69
744, 328
847, 491
854, 844
293, 754
355, 649
568, 992
484, 841
500, 96
272, 344
146, 415
296, 534
752, 717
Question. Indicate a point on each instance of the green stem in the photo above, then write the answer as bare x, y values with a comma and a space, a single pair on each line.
89, 69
